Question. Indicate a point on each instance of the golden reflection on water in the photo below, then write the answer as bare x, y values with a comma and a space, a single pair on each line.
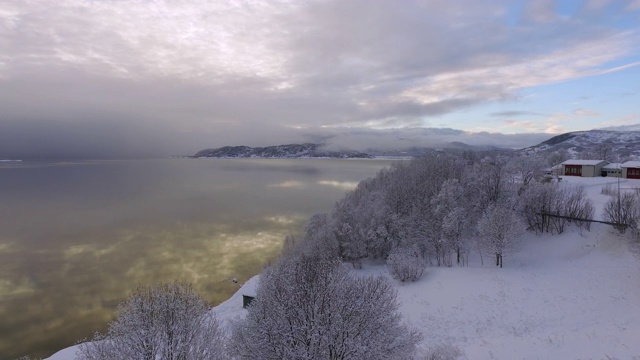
345, 185
77, 238
78, 287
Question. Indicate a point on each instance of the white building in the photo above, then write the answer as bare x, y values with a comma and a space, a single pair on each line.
612, 170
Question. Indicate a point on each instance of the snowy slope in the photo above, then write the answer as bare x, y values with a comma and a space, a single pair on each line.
569, 296
625, 144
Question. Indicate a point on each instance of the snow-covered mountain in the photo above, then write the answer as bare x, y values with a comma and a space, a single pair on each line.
279, 151
603, 144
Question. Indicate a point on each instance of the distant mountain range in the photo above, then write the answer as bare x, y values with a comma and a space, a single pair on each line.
600, 144
310, 150
289, 151
619, 144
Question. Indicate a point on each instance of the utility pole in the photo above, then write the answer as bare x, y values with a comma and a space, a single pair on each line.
619, 206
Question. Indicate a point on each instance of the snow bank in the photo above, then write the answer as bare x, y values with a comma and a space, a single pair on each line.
65, 354
232, 309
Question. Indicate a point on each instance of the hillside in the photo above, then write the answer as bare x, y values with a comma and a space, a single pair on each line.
278, 151
602, 144
572, 296
569, 296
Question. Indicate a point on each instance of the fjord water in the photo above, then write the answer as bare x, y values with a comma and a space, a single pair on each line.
77, 237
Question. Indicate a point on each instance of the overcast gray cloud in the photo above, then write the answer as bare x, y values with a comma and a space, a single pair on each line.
137, 78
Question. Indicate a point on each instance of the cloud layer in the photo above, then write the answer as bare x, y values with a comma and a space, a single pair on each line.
175, 76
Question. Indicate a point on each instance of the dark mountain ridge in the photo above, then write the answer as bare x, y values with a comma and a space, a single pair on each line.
289, 151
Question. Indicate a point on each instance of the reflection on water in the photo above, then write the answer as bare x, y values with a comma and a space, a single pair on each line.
76, 238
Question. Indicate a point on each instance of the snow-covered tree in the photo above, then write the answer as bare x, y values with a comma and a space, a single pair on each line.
492, 180
557, 157
320, 237
602, 151
348, 230
309, 307
406, 264
451, 210
164, 322
527, 170
499, 230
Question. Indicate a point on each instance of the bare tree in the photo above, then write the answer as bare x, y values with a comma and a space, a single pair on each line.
546, 207
309, 307
623, 210
576, 205
164, 322
537, 200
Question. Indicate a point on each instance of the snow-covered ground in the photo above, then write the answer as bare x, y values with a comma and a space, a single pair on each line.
569, 296
573, 296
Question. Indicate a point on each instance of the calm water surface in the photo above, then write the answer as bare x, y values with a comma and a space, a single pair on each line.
77, 237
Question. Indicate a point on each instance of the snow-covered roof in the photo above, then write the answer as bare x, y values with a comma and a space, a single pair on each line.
250, 287
631, 164
612, 166
583, 162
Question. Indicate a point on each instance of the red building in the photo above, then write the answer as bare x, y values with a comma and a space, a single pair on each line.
584, 168
631, 170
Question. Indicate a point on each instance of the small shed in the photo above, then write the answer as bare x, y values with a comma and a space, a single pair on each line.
612, 170
631, 169
248, 291
584, 168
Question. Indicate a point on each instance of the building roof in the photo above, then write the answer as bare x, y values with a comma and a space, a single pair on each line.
631, 164
250, 287
612, 166
583, 162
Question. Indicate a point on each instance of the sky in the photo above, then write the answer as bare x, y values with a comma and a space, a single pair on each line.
118, 78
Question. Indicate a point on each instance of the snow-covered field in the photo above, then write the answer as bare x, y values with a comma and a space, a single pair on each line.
569, 296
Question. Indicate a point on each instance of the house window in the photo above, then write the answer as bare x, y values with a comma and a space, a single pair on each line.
573, 169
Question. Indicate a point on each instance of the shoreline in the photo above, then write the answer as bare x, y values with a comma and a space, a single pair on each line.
226, 312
